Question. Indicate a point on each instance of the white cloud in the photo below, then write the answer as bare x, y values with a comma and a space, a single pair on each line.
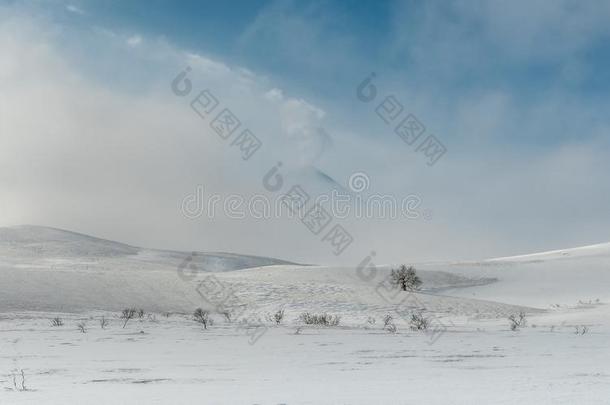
116, 162
274, 95
82, 150
134, 40
73, 9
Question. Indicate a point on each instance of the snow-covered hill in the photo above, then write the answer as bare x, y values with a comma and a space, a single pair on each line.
31, 243
468, 349
598, 250
564, 277
45, 269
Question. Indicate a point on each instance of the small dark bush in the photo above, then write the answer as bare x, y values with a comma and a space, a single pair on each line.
278, 316
418, 322
320, 319
517, 320
127, 314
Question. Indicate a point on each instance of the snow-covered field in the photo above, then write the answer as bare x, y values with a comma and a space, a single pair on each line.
469, 354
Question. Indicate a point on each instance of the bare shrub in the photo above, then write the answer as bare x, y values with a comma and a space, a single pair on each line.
127, 314
202, 316
19, 387
57, 322
388, 323
140, 313
517, 320
278, 316
82, 326
406, 278
320, 319
227, 315
23, 388
418, 322
103, 322
581, 330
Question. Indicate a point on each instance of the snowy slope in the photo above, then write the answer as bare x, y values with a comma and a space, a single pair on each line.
45, 269
30, 243
51, 269
598, 250
565, 277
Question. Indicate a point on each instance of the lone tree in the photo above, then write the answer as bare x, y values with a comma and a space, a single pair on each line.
202, 316
405, 278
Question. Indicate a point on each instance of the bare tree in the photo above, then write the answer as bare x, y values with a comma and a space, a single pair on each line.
82, 327
103, 322
517, 320
406, 278
127, 314
202, 316
57, 322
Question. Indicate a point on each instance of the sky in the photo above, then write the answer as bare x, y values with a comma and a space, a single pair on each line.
95, 139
